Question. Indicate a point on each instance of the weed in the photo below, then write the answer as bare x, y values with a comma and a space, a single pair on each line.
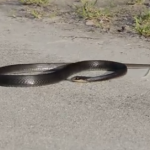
142, 24
36, 14
38, 8
34, 2
89, 11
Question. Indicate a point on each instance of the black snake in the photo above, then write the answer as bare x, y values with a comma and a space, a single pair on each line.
55, 72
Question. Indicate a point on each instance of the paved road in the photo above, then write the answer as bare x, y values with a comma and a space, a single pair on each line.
111, 115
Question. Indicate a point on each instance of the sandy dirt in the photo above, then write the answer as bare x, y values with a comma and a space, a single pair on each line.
110, 115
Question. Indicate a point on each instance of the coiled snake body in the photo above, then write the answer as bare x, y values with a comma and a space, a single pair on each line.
51, 75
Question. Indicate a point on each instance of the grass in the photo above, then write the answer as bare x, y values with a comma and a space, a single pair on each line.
36, 13
105, 18
39, 14
142, 24
38, 8
89, 11
34, 2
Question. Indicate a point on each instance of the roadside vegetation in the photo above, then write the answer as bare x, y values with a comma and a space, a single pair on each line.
135, 14
35, 2
38, 8
142, 24
104, 17
93, 15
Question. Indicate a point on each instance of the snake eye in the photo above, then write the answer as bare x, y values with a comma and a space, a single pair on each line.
78, 79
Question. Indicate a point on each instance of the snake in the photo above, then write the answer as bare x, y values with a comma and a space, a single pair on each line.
51, 73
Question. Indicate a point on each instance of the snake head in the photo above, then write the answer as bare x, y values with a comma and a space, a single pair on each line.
80, 79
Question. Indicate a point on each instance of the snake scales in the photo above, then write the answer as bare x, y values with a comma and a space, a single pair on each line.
55, 72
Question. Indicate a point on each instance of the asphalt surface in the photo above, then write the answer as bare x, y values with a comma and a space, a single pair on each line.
110, 115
